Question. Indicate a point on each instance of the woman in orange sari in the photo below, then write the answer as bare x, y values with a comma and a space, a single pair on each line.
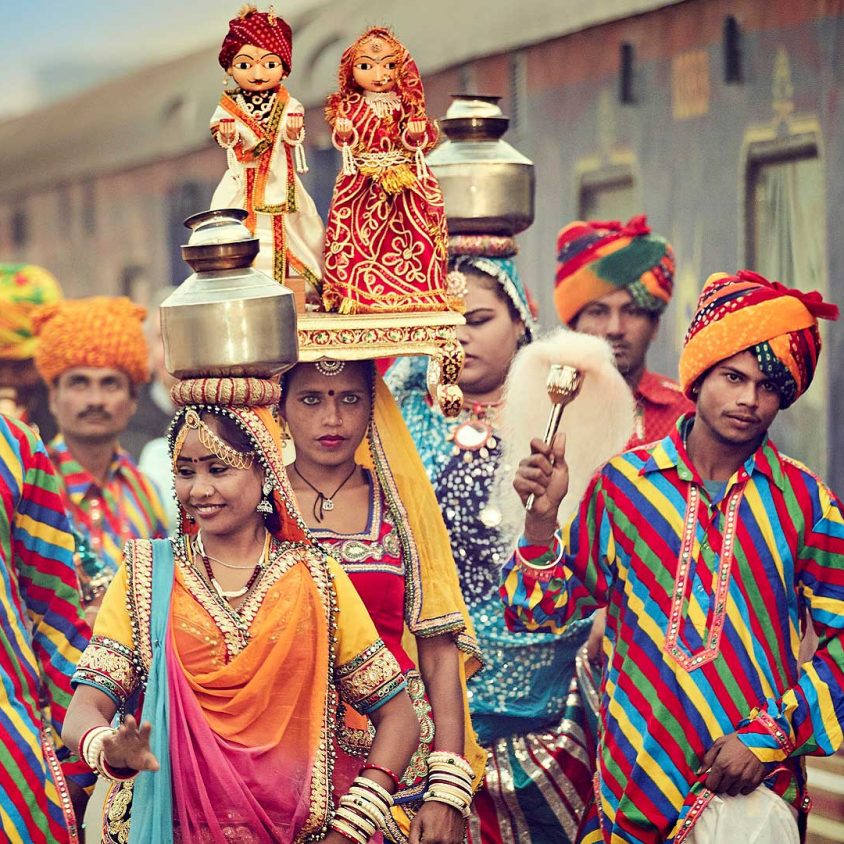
243, 639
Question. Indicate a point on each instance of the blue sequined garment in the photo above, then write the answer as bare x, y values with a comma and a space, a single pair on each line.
527, 677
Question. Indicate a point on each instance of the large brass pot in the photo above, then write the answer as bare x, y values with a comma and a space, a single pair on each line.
227, 319
488, 186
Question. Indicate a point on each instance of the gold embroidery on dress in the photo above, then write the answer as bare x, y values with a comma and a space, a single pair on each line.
110, 665
364, 683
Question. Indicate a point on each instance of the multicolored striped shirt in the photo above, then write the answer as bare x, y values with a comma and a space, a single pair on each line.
704, 602
104, 516
42, 636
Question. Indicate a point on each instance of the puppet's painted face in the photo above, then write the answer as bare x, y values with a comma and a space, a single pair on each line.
256, 69
376, 65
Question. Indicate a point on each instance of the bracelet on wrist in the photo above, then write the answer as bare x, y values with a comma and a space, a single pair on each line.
447, 761
521, 560
371, 766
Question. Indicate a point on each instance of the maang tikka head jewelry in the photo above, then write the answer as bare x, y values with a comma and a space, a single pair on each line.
212, 441
330, 367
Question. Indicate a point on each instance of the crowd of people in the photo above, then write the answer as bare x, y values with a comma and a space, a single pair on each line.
323, 637
297, 608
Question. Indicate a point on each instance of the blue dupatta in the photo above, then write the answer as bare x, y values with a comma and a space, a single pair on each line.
152, 798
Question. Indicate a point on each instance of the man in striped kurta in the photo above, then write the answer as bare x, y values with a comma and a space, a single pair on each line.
42, 636
93, 355
706, 548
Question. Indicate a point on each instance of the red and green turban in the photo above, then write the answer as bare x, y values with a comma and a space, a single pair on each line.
595, 259
261, 29
746, 312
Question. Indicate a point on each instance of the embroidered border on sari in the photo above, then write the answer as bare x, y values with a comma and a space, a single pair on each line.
138, 562
322, 797
109, 666
370, 679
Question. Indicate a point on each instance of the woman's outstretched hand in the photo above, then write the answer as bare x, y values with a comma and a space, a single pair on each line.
129, 747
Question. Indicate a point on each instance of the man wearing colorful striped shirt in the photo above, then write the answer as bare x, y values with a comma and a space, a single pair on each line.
707, 549
42, 636
93, 355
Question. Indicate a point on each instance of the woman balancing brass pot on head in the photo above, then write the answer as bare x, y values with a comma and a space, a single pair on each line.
363, 492
243, 639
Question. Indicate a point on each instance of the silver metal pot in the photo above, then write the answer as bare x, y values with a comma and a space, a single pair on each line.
488, 186
227, 319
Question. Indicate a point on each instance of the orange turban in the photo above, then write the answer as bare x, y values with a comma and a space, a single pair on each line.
746, 312
23, 288
102, 331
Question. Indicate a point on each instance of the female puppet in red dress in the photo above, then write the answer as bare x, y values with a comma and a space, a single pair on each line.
386, 239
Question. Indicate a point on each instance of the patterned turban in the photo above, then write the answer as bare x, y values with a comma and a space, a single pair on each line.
746, 312
598, 258
102, 331
23, 288
262, 29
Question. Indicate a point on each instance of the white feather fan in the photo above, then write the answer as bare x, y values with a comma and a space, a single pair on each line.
597, 424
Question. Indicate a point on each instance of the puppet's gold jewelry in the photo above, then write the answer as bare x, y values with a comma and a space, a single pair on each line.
215, 444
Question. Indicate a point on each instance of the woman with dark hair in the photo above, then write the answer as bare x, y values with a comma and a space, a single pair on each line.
244, 639
527, 707
363, 492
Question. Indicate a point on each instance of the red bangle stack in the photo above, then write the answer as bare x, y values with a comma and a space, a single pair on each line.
371, 766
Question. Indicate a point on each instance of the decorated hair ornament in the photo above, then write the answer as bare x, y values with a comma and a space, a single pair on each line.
330, 368
210, 440
456, 285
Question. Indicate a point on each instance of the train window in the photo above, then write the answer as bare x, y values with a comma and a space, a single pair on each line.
607, 195
785, 240
20, 227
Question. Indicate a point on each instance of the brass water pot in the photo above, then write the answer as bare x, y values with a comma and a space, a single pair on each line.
488, 186
227, 319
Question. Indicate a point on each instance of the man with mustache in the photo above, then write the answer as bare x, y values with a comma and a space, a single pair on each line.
92, 354
614, 281
708, 549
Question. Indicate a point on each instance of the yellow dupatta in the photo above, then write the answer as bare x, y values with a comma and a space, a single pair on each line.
434, 603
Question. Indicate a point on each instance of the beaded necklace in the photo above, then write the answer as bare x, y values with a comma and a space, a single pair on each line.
235, 593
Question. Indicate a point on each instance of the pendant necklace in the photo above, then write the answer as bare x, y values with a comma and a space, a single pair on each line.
474, 430
234, 593
324, 502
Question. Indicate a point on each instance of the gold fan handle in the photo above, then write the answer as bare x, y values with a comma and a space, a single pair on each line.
550, 432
